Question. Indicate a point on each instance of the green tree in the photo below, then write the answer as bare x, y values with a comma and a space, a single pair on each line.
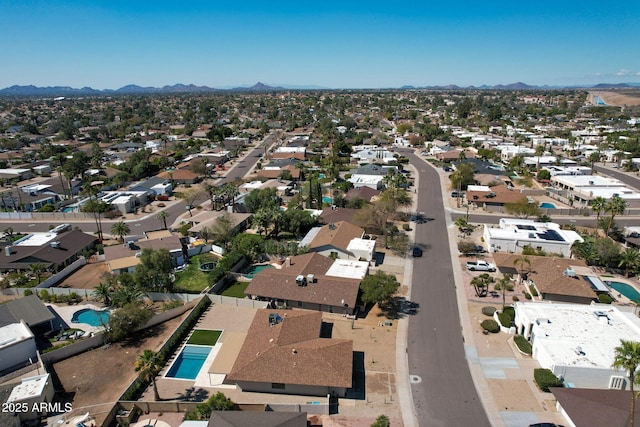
217, 402
154, 271
38, 268
463, 176
381, 421
120, 229
630, 259
607, 251
124, 321
378, 288
627, 357
224, 230
149, 364
614, 206
263, 198
523, 209
162, 216
103, 291
481, 284
504, 283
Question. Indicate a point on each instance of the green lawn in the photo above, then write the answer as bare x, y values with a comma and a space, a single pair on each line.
191, 279
236, 290
204, 337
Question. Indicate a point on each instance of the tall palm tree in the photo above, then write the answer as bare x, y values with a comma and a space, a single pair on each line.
120, 229
598, 205
149, 364
481, 284
162, 216
539, 152
630, 259
614, 206
231, 192
627, 357
504, 282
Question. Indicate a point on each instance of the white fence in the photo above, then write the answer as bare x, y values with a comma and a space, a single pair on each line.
61, 275
238, 302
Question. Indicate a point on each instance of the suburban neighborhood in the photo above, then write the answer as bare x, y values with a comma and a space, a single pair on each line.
320, 258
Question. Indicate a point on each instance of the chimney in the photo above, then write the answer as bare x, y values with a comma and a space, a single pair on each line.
7, 250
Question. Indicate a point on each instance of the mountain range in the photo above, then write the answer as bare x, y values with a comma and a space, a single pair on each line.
32, 90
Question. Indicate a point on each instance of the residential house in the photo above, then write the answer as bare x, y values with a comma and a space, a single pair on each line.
256, 418
373, 155
333, 215
364, 193
555, 279
124, 258
577, 342
180, 176
284, 353
311, 281
581, 190
54, 251
33, 393
17, 347
29, 309
332, 239
587, 407
493, 199
370, 175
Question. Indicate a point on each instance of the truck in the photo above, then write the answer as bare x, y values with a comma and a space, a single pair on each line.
480, 265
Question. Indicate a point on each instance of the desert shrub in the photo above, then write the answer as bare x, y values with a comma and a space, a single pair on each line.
527, 295
545, 379
406, 227
488, 310
505, 319
602, 298
533, 290
523, 344
515, 298
28, 292
490, 325
466, 247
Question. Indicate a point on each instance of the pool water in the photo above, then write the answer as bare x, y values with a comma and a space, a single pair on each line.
189, 362
326, 200
91, 317
547, 205
626, 290
254, 269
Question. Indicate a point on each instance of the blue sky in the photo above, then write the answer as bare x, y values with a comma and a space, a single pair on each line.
337, 44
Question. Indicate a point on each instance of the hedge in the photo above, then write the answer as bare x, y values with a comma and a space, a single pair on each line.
139, 385
533, 290
511, 311
523, 344
488, 310
224, 266
527, 295
505, 319
545, 379
490, 325
602, 299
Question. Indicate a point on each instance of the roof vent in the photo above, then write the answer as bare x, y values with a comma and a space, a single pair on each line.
274, 319
311, 278
55, 245
7, 250
569, 272
301, 280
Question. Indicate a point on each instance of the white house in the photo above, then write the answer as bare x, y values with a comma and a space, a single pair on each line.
583, 189
577, 341
374, 155
514, 234
17, 346
362, 248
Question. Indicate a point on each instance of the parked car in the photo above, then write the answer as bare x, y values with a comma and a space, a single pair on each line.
416, 252
447, 169
480, 265
456, 193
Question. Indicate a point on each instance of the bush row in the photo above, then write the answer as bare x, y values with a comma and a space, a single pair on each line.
523, 344
139, 385
545, 379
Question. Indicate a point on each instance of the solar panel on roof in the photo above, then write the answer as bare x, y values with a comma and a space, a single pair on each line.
551, 235
525, 227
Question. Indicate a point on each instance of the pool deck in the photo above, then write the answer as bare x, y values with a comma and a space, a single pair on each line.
65, 313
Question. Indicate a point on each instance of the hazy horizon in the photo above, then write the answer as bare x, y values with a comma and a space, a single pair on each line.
327, 44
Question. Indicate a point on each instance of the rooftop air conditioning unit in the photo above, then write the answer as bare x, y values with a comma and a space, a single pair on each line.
55, 245
311, 278
301, 280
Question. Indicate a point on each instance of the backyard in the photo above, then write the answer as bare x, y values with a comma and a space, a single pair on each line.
191, 279
236, 290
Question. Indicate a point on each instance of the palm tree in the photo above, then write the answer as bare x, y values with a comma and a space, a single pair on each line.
504, 282
627, 357
103, 291
630, 259
481, 284
614, 206
149, 364
539, 152
162, 216
120, 229
598, 205
594, 158
231, 192
520, 263
37, 269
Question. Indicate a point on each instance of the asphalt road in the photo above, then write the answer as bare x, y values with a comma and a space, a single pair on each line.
138, 226
629, 179
446, 396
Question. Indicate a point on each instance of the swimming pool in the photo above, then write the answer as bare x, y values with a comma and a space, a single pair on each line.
91, 317
68, 209
547, 205
326, 199
189, 362
626, 290
253, 269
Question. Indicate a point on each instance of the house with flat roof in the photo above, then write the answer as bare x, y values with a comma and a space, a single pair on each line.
313, 282
514, 234
283, 352
17, 347
583, 189
577, 342
370, 175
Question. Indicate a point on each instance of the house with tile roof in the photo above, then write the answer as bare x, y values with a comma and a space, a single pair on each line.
313, 282
555, 279
124, 258
333, 239
283, 352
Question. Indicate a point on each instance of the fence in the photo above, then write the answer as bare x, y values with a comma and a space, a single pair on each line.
52, 216
72, 349
238, 302
63, 274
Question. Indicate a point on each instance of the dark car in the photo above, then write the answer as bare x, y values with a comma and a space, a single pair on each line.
447, 169
543, 425
456, 193
416, 252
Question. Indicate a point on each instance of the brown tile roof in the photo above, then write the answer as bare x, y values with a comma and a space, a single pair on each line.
280, 283
275, 173
296, 155
595, 407
123, 251
329, 215
292, 352
179, 175
338, 235
547, 274
364, 193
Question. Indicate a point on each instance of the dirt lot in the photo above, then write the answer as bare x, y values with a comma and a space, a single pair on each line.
618, 99
88, 277
102, 375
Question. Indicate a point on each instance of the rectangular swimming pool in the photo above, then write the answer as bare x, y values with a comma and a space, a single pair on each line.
189, 362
